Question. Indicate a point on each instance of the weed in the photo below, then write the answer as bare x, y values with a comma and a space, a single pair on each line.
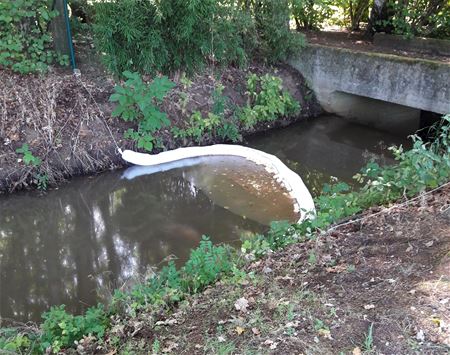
320, 325
351, 268
220, 347
156, 347
25, 38
312, 259
137, 101
28, 157
61, 329
368, 340
266, 101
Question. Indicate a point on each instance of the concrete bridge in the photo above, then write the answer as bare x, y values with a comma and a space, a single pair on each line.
412, 84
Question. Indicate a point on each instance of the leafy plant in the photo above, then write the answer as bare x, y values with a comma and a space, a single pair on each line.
168, 35
206, 265
280, 234
368, 340
25, 41
276, 40
13, 341
28, 157
61, 329
311, 14
214, 124
267, 101
137, 101
418, 18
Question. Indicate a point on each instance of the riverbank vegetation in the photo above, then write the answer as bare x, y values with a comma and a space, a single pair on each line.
182, 73
426, 165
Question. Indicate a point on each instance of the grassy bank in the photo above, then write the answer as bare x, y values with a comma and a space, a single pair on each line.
148, 307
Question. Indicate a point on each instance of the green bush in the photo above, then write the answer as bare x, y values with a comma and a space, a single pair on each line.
206, 265
420, 18
276, 40
25, 40
311, 14
169, 35
61, 329
267, 101
137, 101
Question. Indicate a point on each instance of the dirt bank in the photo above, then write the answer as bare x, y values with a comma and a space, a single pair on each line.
380, 285
62, 118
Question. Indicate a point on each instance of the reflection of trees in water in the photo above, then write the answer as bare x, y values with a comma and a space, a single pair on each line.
58, 248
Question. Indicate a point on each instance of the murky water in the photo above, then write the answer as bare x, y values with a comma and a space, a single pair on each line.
71, 245
328, 147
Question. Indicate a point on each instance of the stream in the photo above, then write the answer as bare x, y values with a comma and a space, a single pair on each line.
73, 245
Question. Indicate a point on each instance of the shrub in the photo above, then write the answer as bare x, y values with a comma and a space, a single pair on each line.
25, 40
267, 101
420, 18
276, 40
61, 329
169, 35
310, 14
206, 265
152, 37
137, 101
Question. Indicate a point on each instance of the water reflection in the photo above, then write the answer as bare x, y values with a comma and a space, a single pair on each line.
328, 147
96, 233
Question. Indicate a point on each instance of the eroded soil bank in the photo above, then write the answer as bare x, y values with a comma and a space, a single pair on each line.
62, 118
379, 285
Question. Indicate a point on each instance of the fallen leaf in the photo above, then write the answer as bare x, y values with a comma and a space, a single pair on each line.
240, 330
256, 331
356, 351
420, 336
325, 333
241, 304
337, 269
429, 244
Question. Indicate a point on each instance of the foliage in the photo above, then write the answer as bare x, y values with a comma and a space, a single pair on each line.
425, 165
280, 235
206, 264
16, 342
169, 35
137, 101
61, 329
216, 124
198, 127
40, 178
310, 14
267, 101
25, 40
28, 157
418, 18
276, 40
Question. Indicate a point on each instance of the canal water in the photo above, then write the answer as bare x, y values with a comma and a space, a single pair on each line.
75, 244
